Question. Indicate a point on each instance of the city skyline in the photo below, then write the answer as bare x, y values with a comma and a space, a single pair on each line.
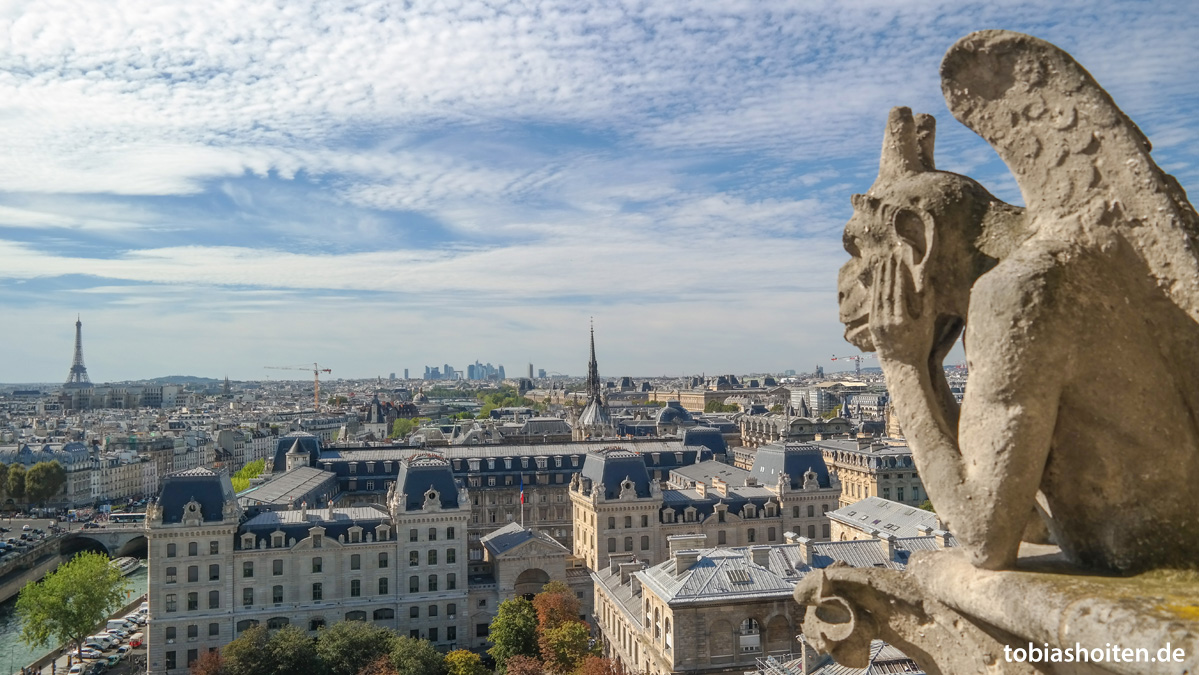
380, 191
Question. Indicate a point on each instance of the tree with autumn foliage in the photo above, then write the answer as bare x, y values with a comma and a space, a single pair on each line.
599, 665
209, 663
564, 647
524, 665
556, 604
463, 662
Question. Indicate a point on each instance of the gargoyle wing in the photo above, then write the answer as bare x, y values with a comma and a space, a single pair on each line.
1080, 162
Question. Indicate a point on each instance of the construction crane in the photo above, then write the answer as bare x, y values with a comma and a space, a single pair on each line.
316, 379
857, 362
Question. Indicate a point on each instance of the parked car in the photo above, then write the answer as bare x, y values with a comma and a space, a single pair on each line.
76, 669
91, 526
90, 653
25, 528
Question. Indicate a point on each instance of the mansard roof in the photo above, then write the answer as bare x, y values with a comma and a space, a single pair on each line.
793, 459
421, 472
210, 489
611, 466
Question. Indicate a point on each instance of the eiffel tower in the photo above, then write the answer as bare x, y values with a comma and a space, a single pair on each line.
78, 379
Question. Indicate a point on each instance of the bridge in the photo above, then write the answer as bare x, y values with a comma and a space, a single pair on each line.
114, 539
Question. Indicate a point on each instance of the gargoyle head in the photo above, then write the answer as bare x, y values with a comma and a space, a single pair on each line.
931, 221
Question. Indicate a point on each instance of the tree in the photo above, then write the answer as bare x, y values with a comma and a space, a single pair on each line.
209, 663
3, 479
404, 426
292, 652
927, 505
513, 631
249, 654
16, 482
70, 601
524, 665
411, 656
463, 662
556, 604
380, 666
715, 406
599, 665
349, 646
43, 481
564, 648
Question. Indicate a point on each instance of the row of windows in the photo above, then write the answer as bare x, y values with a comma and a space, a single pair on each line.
475, 481
451, 557
542, 463
193, 601
318, 565
317, 593
899, 493
193, 632
811, 510
193, 573
381, 614
414, 534
628, 522
193, 548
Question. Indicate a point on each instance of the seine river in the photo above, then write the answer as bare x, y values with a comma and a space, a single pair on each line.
14, 654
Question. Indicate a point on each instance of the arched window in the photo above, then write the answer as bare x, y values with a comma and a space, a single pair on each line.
628, 521
384, 614
171, 550
657, 624
414, 584
432, 556
277, 622
432, 582
316, 623
356, 616
246, 624
317, 565
751, 535
669, 641
451, 581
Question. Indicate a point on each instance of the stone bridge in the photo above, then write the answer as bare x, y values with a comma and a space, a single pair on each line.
114, 540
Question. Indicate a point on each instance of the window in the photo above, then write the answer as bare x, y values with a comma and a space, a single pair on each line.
317, 565
811, 531
193, 573
720, 516
628, 521
192, 655
451, 633
644, 543
433, 634
451, 556
915, 493
432, 534
794, 511
246, 624
214, 629
193, 632
214, 599
277, 594
414, 612
170, 575
414, 633
644, 521
770, 534
214, 548
277, 568
449, 533
383, 586
611, 545
413, 558
899, 494
316, 541
432, 556
750, 535
811, 511
247, 570
412, 534
432, 611
355, 588
824, 508
414, 584
277, 622
382, 560
720, 538
432, 582
170, 660
451, 581
628, 543
193, 548
886, 493
355, 536
214, 572
824, 530
170, 634
384, 614
247, 597
482, 629
171, 553
451, 610
193, 602
355, 562
316, 624
611, 523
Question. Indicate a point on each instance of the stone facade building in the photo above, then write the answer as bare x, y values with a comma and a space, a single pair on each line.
869, 467
758, 430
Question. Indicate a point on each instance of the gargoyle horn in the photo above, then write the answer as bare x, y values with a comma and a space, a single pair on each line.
907, 145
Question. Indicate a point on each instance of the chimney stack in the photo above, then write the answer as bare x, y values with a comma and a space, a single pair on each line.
628, 568
888, 542
760, 555
806, 551
942, 537
681, 542
684, 560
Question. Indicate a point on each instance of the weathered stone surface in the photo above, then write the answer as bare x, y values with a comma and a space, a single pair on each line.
1079, 315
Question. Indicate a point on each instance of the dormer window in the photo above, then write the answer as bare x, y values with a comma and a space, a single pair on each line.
574, 460
507, 462
247, 541
558, 462
370, 467
474, 464
491, 464
316, 540
276, 540
387, 466
524, 462
542, 462
353, 467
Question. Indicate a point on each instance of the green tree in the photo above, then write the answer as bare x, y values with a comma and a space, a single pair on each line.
715, 406
404, 426
348, 646
70, 601
249, 654
43, 481
3, 479
463, 662
513, 631
411, 656
564, 648
292, 652
16, 482
776, 408
598, 665
927, 505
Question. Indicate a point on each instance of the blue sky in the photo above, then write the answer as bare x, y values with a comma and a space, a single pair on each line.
216, 187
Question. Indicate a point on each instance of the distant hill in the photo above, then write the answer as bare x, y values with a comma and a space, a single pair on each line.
184, 379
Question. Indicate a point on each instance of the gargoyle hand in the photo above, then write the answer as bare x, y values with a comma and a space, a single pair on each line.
902, 323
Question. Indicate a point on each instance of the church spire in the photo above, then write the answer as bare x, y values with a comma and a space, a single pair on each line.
593, 380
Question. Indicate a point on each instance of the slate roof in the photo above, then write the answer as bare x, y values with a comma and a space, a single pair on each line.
708, 437
512, 535
296, 486
295, 524
793, 459
310, 443
418, 474
209, 488
719, 574
611, 466
884, 515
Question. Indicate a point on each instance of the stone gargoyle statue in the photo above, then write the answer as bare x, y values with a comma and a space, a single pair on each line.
1080, 312
1080, 315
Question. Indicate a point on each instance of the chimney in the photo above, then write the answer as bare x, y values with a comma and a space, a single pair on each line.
888, 543
925, 530
760, 555
942, 537
683, 542
628, 568
791, 537
685, 560
614, 561
702, 488
807, 551
304, 510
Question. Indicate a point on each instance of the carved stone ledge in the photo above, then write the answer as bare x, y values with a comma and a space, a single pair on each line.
955, 619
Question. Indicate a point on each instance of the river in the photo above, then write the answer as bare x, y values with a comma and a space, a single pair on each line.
15, 654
